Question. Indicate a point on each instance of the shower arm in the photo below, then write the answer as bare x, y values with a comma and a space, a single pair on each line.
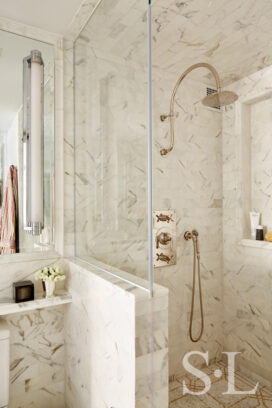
165, 151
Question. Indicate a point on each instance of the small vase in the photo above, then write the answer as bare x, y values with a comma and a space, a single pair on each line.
44, 288
50, 288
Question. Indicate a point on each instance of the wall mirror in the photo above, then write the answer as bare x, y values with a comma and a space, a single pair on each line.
26, 144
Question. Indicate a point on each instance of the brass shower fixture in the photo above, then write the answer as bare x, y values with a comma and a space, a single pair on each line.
219, 98
193, 235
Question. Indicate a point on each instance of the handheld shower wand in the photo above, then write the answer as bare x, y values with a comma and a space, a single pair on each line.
194, 236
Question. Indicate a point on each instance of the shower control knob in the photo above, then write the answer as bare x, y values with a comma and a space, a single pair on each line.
163, 258
188, 235
163, 238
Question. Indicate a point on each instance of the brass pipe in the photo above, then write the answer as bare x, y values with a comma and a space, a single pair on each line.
165, 151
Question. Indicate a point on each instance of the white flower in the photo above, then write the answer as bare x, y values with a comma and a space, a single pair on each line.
38, 275
59, 277
52, 273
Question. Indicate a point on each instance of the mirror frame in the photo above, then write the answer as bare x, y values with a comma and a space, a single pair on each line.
57, 42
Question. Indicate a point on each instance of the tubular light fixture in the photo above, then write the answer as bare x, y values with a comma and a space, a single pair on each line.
33, 135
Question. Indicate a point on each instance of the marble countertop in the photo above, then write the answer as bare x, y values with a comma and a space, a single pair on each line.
8, 306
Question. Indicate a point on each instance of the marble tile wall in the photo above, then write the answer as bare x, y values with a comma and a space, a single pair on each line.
37, 359
109, 321
37, 344
247, 270
20, 271
111, 145
111, 136
198, 162
261, 168
189, 180
151, 351
80, 19
111, 184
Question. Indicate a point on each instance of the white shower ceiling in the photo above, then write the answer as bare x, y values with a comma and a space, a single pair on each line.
233, 35
50, 15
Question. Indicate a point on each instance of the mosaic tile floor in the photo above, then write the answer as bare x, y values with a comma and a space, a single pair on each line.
214, 398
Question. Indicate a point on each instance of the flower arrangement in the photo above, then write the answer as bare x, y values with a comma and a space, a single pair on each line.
49, 276
52, 273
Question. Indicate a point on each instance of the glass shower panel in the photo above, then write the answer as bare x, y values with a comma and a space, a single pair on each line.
111, 137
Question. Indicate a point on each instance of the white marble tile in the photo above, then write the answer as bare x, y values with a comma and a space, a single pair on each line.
37, 358
20, 271
247, 266
8, 306
113, 210
189, 180
102, 324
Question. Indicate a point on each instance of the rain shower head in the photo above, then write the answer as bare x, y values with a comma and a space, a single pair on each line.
219, 98
214, 100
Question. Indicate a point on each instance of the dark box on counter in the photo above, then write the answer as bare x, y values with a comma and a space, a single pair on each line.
23, 291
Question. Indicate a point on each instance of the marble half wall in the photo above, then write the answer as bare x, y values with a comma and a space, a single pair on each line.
116, 340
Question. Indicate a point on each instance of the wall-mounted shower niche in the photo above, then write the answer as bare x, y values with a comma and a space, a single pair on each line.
256, 161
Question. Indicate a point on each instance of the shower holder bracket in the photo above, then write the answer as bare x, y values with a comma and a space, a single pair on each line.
164, 238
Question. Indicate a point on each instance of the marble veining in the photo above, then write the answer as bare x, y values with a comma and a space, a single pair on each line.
232, 36
80, 19
214, 398
122, 363
37, 359
7, 306
111, 167
196, 194
111, 146
189, 180
247, 267
37, 338
192, 29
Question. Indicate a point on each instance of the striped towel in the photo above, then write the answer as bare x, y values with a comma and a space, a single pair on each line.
9, 228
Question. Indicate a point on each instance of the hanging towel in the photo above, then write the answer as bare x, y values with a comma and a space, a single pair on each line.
9, 228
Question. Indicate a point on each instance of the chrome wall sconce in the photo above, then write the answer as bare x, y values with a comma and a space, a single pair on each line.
33, 143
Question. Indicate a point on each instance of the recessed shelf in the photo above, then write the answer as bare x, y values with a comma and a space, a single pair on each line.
256, 244
8, 306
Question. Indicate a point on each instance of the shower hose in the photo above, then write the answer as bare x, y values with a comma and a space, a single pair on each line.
196, 266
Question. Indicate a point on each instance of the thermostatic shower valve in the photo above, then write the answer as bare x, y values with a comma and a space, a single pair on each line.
164, 238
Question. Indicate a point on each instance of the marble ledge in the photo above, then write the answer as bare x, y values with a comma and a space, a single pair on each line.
8, 306
132, 284
256, 244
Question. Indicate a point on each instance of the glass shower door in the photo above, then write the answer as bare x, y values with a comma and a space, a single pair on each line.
111, 137
113, 167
